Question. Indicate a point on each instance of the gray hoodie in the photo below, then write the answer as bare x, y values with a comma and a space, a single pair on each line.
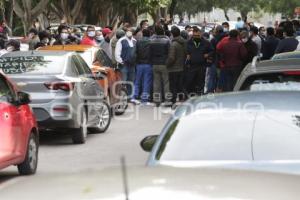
177, 55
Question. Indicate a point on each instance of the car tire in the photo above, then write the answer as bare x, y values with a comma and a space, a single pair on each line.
122, 105
29, 165
80, 135
105, 116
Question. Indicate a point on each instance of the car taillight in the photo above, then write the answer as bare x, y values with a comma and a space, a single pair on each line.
297, 73
65, 86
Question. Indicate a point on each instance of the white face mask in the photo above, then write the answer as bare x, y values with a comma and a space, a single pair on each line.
190, 33
100, 38
91, 34
129, 34
245, 40
64, 36
226, 29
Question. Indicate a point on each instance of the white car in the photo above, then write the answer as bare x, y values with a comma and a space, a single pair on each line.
246, 126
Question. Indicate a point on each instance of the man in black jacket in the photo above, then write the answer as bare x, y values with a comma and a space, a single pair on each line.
144, 74
175, 64
198, 51
159, 49
270, 44
289, 43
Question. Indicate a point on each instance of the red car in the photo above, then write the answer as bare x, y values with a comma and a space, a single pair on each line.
19, 137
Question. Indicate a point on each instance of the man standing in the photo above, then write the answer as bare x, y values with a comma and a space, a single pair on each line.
289, 43
89, 38
198, 51
255, 38
143, 25
175, 64
33, 38
105, 44
233, 53
240, 24
159, 49
270, 44
144, 74
250, 46
125, 57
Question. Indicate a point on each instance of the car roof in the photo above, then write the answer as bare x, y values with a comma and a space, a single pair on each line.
249, 100
68, 48
36, 53
287, 55
273, 66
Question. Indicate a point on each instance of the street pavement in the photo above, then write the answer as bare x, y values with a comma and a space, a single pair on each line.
58, 154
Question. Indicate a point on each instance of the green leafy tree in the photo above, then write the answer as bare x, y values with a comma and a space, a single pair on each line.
285, 7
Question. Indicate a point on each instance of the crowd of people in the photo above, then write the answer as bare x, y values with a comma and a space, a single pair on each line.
167, 66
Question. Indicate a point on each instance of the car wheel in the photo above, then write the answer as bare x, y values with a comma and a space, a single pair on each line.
103, 118
29, 165
79, 137
122, 105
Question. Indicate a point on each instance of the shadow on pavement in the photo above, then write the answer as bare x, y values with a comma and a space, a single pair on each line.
7, 175
55, 138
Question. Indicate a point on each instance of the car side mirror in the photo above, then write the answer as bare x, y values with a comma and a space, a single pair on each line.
148, 142
24, 98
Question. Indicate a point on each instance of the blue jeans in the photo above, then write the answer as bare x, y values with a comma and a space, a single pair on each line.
212, 78
143, 82
128, 75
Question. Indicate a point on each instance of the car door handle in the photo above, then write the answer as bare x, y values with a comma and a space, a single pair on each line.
84, 83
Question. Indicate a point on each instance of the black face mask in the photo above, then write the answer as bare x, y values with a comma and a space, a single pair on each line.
197, 40
107, 39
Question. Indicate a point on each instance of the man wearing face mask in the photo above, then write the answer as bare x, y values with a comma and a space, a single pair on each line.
89, 38
99, 37
33, 38
105, 44
63, 36
250, 46
44, 39
198, 52
125, 57
226, 27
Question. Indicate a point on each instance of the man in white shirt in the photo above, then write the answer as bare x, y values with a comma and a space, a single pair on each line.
125, 57
255, 38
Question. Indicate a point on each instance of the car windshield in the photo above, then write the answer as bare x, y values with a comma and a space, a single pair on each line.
197, 140
273, 81
38, 65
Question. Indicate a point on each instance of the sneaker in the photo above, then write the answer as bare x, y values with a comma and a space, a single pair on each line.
135, 102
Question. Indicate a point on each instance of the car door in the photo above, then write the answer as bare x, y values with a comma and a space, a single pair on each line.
277, 136
10, 123
93, 89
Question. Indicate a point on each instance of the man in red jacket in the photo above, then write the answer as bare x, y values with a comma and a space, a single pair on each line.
232, 52
89, 38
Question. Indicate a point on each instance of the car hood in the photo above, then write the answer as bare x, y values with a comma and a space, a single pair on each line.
159, 183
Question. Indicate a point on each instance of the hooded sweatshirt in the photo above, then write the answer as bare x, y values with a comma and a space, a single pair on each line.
177, 55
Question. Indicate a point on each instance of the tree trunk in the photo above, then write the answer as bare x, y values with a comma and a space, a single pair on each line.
172, 8
226, 15
244, 15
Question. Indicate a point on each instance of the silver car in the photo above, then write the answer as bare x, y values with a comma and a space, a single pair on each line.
65, 94
270, 75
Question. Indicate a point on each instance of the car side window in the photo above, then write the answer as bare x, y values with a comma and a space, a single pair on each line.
103, 58
72, 70
78, 66
84, 66
6, 93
